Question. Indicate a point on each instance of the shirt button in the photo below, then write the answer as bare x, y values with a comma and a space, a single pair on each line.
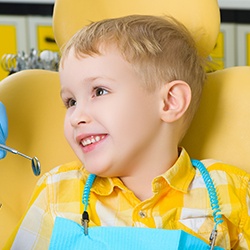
142, 214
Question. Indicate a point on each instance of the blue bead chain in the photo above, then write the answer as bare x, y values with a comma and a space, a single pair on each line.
85, 201
213, 199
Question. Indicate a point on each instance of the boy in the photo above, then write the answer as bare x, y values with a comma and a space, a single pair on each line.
131, 87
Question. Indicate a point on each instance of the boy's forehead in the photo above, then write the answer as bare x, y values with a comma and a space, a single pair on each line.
100, 49
107, 55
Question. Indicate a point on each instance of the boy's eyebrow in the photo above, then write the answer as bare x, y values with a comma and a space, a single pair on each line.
88, 80
91, 79
94, 78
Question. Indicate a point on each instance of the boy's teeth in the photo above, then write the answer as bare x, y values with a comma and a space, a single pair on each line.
91, 140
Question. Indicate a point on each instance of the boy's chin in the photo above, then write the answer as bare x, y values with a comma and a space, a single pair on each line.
95, 169
100, 171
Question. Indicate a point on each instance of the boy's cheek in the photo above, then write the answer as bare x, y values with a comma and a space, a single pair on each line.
68, 132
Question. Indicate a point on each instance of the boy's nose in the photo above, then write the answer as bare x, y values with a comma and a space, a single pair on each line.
79, 116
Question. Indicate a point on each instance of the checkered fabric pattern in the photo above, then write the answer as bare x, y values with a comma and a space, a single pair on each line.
180, 201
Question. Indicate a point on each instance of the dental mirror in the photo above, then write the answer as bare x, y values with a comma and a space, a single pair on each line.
35, 164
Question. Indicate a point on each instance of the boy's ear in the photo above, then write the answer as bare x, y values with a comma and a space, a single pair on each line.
175, 100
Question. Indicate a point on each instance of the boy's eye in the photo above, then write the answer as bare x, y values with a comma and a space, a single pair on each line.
100, 91
70, 102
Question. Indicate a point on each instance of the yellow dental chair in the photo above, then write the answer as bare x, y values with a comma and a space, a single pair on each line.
35, 111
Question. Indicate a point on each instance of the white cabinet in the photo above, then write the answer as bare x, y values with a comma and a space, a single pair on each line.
41, 36
233, 46
234, 4
13, 30
224, 52
243, 43
23, 33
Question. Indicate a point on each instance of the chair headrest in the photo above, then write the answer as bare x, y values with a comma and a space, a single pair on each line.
201, 17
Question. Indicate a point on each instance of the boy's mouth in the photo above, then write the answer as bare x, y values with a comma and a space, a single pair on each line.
91, 140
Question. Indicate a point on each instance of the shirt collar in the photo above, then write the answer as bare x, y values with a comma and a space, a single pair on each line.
179, 177
105, 186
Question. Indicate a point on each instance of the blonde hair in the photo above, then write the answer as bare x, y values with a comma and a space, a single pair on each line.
159, 48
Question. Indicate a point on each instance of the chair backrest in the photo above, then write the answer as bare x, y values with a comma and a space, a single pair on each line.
35, 113
220, 129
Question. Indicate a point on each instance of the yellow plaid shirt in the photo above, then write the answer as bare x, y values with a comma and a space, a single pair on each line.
180, 201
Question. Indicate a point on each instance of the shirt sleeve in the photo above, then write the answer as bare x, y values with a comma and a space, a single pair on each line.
36, 225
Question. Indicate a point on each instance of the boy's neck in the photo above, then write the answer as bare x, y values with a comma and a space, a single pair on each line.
141, 182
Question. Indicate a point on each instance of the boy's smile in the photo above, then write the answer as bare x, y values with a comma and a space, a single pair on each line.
112, 122
91, 140
89, 143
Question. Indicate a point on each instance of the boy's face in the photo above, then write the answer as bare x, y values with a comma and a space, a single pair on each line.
111, 123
